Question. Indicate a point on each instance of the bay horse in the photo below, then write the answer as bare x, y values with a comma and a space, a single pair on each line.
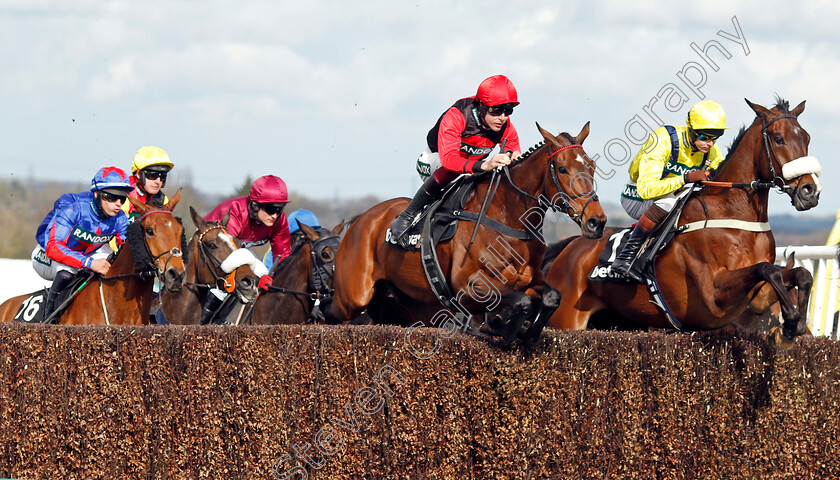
124, 296
300, 280
709, 276
499, 270
210, 247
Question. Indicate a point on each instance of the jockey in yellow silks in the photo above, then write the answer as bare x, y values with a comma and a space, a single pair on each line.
671, 158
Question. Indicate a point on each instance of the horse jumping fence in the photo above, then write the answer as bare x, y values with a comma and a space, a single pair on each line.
822, 262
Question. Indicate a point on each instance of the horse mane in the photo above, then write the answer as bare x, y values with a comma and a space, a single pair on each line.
781, 104
538, 146
137, 244
284, 264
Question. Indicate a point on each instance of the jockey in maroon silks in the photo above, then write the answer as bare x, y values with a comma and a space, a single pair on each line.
254, 220
259, 218
461, 141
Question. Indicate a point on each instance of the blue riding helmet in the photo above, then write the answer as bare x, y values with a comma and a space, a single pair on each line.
303, 216
112, 180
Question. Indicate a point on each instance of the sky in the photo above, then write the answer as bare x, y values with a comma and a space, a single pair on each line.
336, 97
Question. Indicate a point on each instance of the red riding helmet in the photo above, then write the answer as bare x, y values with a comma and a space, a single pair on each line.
497, 90
269, 189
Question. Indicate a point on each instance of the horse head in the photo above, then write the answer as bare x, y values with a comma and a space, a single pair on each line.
324, 245
212, 246
571, 174
784, 158
163, 237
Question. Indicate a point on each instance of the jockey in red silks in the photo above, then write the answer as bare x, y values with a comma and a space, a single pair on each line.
461, 141
254, 220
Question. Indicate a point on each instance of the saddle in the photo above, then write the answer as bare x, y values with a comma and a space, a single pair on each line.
438, 223
32, 309
658, 240
443, 223
443, 216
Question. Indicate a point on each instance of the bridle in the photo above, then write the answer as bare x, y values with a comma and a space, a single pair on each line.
152, 265
777, 181
320, 272
563, 204
228, 283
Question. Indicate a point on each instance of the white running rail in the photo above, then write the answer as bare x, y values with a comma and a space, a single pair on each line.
822, 263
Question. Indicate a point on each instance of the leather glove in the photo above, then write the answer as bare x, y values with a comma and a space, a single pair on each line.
695, 176
265, 281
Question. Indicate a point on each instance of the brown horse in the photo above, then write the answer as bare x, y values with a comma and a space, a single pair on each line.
301, 280
499, 270
209, 247
709, 276
124, 296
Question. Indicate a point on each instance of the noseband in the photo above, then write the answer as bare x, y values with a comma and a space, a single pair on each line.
173, 252
778, 181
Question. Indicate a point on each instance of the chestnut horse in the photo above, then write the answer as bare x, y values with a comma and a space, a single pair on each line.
210, 247
301, 280
495, 272
711, 274
124, 296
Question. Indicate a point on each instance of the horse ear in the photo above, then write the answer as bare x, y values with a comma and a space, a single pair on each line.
170, 205
758, 109
338, 228
226, 219
549, 138
138, 205
584, 132
798, 110
310, 232
197, 220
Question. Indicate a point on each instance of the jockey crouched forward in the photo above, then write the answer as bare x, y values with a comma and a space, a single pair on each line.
460, 142
255, 219
76, 232
671, 158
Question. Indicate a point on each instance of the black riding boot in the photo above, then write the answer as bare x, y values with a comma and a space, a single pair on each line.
429, 192
62, 279
208, 310
623, 263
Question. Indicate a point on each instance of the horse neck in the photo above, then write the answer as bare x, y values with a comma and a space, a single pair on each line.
181, 306
744, 166
523, 176
289, 274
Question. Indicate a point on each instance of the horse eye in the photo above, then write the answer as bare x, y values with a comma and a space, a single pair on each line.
150, 231
779, 140
212, 246
326, 254
562, 170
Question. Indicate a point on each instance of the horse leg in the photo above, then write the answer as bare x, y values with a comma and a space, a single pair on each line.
732, 284
508, 323
549, 300
801, 279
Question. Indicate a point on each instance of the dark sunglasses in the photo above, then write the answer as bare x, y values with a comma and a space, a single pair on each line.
499, 110
706, 137
272, 208
110, 197
153, 175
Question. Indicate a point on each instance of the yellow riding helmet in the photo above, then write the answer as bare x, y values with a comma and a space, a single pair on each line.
707, 115
149, 156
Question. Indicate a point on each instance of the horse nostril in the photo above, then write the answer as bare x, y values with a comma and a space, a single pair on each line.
248, 282
174, 278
